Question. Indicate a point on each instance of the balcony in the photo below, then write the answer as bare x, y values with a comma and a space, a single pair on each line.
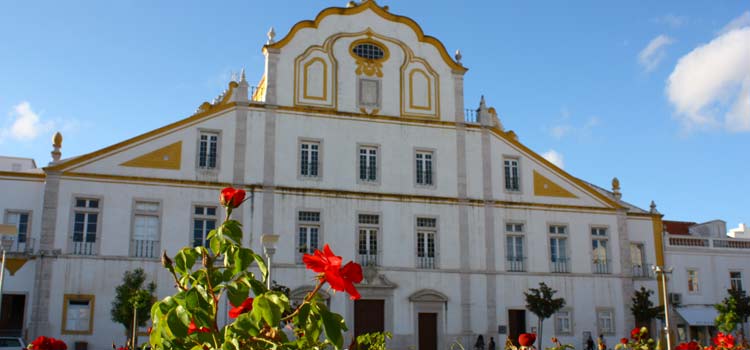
84, 248
560, 265
642, 270
600, 266
25, 247
425, 262
470, 115
699, 242
145, 248
515, 264
424, 178
368, 259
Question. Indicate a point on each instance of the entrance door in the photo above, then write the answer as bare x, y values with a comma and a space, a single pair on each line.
369, 316
11, 319
516, 324
427, 331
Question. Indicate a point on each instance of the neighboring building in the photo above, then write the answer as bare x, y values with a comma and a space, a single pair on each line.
357, 135
17, 164
742, 231
706, 262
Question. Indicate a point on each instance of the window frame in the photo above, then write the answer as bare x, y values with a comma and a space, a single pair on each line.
515, 234
739, 280
378, 105
194, 216
67, 298
300, 223
557, 324
433, 153
436, 238
99, 210
518, 171
159, 216
697, 287
378, 239
559, 236
599, 323
29, 213
307, 140
607, 251
378, 168
218, 133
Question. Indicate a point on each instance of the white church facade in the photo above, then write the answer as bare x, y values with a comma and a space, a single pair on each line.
357, 136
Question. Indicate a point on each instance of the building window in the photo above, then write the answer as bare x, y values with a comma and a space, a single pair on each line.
22, 221
692, 281
426, 236
85, 226
563, 322
208, 150
638, 261
605, 321
735, 280
369, 225
600, 262
512, 182
368, 51
308, 228
146, 230
309, 158
424, 168
368, 163
558, 243
78, 314
204, 221
514, 255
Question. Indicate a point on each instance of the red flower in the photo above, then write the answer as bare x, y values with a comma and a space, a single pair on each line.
624, 341
123, 348
688, 346
724, 340
246, 306
44, 343
231, 197
192, 328
554, 340
340, 278
58, 344
526, 339
635, 333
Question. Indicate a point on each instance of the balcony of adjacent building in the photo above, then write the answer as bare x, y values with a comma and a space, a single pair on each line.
731, 244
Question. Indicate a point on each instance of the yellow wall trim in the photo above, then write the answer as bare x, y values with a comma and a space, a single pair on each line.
306, 80
14, 175
66, 299
545, 187
168, 157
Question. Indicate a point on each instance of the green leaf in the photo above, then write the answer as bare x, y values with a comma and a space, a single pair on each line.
267, 309
216, 245
192, 299
233, 230
184, 260
302, 316
178, 321
332, 326
237, 293
261, 265
243, 258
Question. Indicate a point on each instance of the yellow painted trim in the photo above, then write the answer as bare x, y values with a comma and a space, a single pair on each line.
260, 91
14, 264
361, 7
168, 157
546, 187
658, 226
305, 80
327, 113
66, 298
23, 176
411, 90
141, 180
435, 77
300, 82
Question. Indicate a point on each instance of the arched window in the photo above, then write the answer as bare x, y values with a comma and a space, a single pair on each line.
368, 51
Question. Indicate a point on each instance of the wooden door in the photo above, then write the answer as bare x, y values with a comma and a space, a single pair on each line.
369, 316
11, 319
516, 324
428, 331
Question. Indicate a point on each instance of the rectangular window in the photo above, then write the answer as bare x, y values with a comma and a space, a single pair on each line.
21, 221
558, 244
563, 322
208, 150
85, 226
146, 230
606, 322
511, 175
735, 279
204, 221
369, 93
424, 168
368, 163
369, 225
426, 235
309, 158
511, 227
558, 229
308, 223
78, 314
600, 262
637, 259
692, 281
514, 253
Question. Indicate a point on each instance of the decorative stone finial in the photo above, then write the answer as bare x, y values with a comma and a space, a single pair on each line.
482, 104
242, 76
271, 34
57, 140
653, 208
351, 4
458, 56
616, 188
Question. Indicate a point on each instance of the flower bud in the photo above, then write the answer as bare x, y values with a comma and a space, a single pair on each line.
165, 260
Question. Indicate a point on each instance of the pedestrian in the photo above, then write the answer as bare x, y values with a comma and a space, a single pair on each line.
491, 344
479, 345
602, 342
590, 343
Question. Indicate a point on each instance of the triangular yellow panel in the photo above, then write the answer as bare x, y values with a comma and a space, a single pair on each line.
168, 157
14, 264
545, 187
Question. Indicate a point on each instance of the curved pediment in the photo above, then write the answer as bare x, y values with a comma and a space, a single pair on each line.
302, 291
428, 295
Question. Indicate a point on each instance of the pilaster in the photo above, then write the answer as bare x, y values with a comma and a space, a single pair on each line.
40, 308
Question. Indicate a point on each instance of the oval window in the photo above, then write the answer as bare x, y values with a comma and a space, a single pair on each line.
368, 51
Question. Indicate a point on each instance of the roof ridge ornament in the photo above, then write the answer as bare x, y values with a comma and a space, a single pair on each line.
653, 208
271, 35
458, 56
57, 140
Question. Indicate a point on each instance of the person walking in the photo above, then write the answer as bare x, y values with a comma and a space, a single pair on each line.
590, 343
491, 344
602, 342
479, 345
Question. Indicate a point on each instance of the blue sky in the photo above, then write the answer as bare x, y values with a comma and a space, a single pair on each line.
655, 93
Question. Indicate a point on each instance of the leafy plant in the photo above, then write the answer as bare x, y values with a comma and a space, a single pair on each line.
734, 309
643, 308
372, 341
132, 293
541, 302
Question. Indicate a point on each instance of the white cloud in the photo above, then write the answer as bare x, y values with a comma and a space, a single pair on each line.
554, 157
710, 86
25, 124
672, 20
654, 52
740, 22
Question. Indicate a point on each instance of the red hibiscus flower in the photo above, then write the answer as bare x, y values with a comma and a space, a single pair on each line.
688, 346
724, 340
246, 306
341, 279
58, 344
526, 339
624, 341
44, 343
193, 328
231, 197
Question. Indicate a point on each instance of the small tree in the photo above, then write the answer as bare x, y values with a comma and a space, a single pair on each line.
130, 295
542, 304
734, 309
642, 308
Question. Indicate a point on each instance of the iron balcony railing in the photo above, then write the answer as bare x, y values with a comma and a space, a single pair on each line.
470, 115
424, 178
600, 266
515, 264
425, 262
560, 265
84, 248
25, 247
368, 259
722, 243
145, 248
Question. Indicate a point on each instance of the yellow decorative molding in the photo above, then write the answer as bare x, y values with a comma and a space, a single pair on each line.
545, 187
306, 80
14, 264
260, 91
428, 84
168, 157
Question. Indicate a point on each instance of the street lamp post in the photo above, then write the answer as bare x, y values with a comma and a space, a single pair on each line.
269, 249
663, 272
8, 234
